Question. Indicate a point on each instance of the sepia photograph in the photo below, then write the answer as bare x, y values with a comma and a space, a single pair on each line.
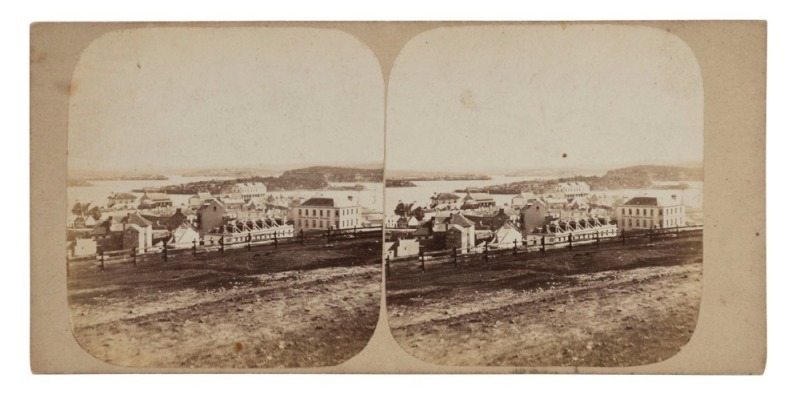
225, 197
544, 189
451, 197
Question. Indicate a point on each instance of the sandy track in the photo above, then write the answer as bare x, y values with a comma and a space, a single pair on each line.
241, 310
598, 308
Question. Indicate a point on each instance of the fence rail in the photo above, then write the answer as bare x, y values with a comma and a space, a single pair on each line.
457, 256
167, 252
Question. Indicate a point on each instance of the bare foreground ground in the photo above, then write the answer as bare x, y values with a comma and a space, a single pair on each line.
291, 307
613, 306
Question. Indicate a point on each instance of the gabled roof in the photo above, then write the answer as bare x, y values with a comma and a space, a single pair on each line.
422, 231
139, 220
459, 219
479, 196
458, 228
156, 196
446, 196
506, 233
134, 227
123, 196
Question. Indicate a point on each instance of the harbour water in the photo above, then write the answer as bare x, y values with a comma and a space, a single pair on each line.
371, 196
692, 196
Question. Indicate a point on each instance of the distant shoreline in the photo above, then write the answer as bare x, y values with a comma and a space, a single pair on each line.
120, 178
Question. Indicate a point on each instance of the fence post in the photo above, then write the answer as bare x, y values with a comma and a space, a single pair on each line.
515, 247
102, 260
275, 239
164, 252
302, 238
570, 241
597, 235
623, 236
194, 248
422, 258
134, 256
222, 244
455, 257
330, 234
486, 253
249, 241
544, 247
677, 231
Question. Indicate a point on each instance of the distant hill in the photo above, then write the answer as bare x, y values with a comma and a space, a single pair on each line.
338, 174
635, 177
230, 172
658, 173
556, 172
310, 178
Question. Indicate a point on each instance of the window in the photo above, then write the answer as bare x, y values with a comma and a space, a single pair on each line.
314, 212
637, 211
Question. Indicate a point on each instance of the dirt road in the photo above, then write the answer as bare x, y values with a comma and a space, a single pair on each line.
268, 308
607, 307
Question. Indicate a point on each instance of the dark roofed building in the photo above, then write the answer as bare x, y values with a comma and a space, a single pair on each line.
138, 219
492, 222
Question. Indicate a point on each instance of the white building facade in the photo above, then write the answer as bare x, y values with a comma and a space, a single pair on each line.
322, 213
250, 190
651, 212
572, 190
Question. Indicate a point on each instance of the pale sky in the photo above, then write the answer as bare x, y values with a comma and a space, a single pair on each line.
234, 97
481, 98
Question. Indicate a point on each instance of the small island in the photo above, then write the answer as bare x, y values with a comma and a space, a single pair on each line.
391, 182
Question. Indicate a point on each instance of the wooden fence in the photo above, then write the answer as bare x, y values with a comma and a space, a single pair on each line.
165, 252
484, 253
